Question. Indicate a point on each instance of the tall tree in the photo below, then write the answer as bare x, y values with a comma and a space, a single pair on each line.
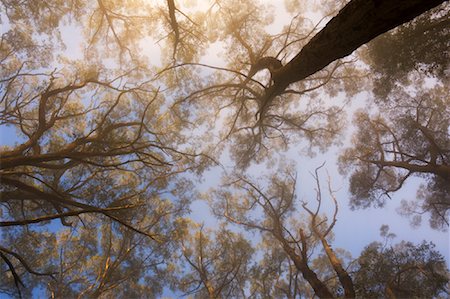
417, 47
401, 271
298, 241
215, 263
90, 260
88, 144
264, 108
355, 24
102, 142
407, 137
292, 265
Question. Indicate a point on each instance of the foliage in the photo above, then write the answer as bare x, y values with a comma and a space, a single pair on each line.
408, 136
118, 108
401, 271
215, 263
271, 211
420, 46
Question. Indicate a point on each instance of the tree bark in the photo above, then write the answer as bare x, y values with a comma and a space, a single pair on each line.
320, 289
356, 24
343, 276
301, 263
442, 171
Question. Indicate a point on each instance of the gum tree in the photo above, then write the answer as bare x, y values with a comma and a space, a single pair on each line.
104, 139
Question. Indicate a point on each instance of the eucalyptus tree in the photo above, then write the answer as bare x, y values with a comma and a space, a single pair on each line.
94, 259
260, 111
407, 134
403, 270
407, 137
112, 156
298, 259
92, 146
213, 263
420, 46
272, 212
103, 140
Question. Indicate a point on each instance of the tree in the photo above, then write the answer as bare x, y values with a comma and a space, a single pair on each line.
291, 266
408, 136
260, 110
93, 260
275, 276
113, 155
356, 24
401, 271
215, 263
104, 143
418, 47
277, 206
111, 28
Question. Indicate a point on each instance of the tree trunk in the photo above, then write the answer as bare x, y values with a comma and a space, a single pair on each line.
320, 289
356, 24
342, 274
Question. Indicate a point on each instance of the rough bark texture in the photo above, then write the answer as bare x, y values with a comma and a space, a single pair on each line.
343, 276
320, 289
356, 24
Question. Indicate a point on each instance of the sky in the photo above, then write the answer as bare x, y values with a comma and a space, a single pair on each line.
354, 229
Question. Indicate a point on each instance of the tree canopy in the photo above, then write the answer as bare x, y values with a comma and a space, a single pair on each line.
112, 113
